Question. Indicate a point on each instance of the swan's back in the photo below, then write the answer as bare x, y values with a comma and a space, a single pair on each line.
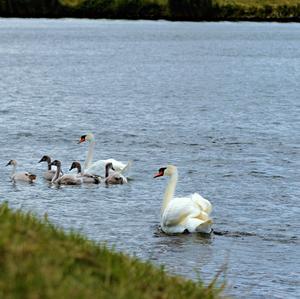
24, 176
69, 179
48, 175
90, 179
98, 167
117, 165
116, 178
178, 209
203, 203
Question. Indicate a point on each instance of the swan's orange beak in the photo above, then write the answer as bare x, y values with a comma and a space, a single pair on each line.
161, 173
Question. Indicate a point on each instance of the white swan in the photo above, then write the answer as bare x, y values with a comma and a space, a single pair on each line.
182, 214
66, 179
98, 167
86, 178
49, 174
114, 177
20, 176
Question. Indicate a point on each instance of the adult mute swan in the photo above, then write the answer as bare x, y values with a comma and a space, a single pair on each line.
20, 176
66, 179
86, 178
49, 174
98, 167
182, 214
114, 177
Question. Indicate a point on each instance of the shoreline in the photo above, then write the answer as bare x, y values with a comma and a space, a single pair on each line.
217, 20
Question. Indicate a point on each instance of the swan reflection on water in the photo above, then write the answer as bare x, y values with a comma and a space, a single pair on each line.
179, 240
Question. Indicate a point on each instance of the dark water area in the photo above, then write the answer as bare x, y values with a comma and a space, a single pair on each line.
218, 100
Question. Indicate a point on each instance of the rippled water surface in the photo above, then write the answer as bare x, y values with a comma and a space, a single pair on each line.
219, 100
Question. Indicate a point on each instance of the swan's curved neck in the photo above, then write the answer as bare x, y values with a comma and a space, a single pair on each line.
49, 165
56, 176
106, 171
79, 169
170, 190
13, 170
89, 157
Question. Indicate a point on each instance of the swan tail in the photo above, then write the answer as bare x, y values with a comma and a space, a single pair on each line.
32, 177
97, 179
205, 227
199, 226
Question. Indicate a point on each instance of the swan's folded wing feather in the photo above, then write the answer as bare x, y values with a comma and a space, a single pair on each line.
178, 210
126, 167
49, 174
117, 165
21, 176
91, 176
96, 168
69, 179
203, 203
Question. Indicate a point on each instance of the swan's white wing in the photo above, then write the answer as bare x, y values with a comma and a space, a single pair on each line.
203, 203
98, 167
178, 210
117, 165
126, 168
186, 213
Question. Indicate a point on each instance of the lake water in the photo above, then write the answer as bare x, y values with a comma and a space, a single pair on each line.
219, 100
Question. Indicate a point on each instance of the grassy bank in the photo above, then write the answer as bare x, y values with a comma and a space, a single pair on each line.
190, 10
38, 260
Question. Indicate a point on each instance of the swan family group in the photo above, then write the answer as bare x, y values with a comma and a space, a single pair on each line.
178, 214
